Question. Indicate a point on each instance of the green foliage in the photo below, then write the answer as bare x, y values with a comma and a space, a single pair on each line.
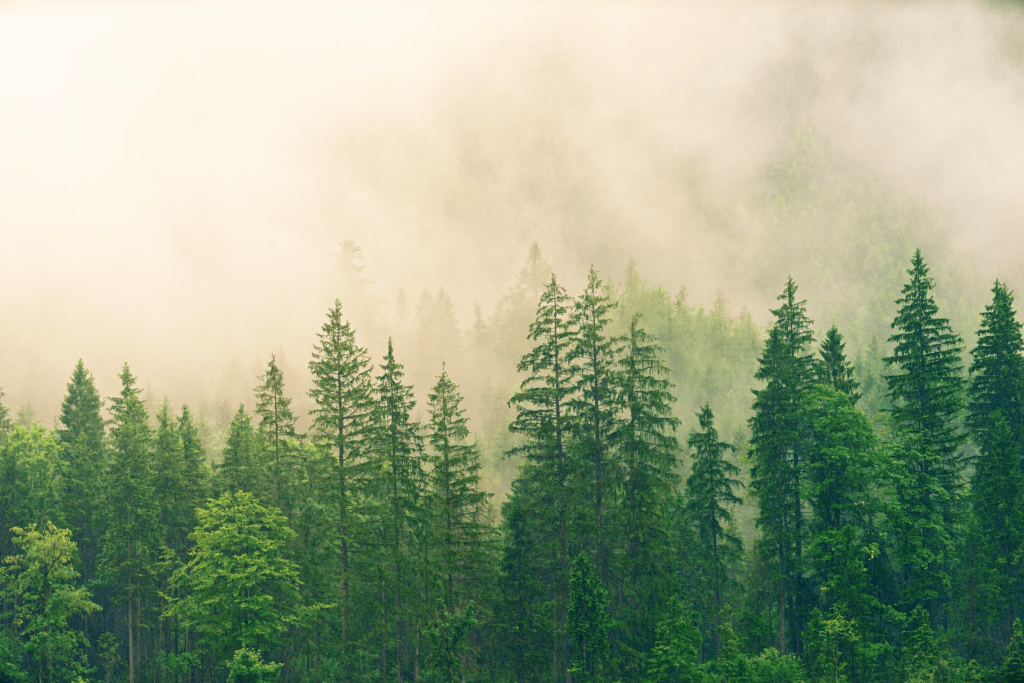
926, 392
1012, 670
996, 420
448, 635
675, 657
29, 464
709, 499
276, 423
43, 581
242, 467
595, 408
84, 464
246, 666
588, 623
833, 368
778, 437
241, 587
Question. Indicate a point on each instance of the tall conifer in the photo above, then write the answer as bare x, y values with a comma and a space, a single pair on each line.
996, 420
710, 497
130, 543
277, 424
926, 391
342, 394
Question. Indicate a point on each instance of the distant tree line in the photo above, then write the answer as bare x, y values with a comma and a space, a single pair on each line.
820, 543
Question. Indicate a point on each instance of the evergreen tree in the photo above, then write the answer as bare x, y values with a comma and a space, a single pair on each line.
787, 368
833, 368
277, 424
44, 582
926, 391
676, 653
85, 462
589, 622
541, 406
398, 474
709, 496
842, 472
648, 450
1013, 664
342, 394
455, 499
130, 544
242, 467
595, 407
996, 420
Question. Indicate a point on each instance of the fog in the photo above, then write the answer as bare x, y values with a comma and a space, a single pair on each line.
176, 179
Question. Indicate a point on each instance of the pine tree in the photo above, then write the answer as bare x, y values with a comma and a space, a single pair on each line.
454, 498
1013, 664
842, 473
926, 391
709, 496
398, 476
85, 461
996, 420
242, 467
130, 544
787, 368
648, 450
596, 406
277, 424
342, 393
589, 622
541, 406
833, 368
676, 652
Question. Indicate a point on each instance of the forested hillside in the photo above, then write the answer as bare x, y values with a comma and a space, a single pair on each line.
655, 493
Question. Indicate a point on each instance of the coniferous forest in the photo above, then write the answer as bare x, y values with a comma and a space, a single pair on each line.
807, 517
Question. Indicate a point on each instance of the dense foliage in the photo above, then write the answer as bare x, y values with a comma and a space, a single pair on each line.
808, 541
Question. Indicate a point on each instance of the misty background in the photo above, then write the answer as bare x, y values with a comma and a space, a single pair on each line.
187, 186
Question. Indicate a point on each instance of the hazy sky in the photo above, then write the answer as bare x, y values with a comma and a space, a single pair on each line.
175, 177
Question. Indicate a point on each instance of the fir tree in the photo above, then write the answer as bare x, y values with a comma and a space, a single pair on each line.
996, 420
588, 623
242, 467
541, 418
454, 496
648, 450
709, 496
130, 544
926, 391
787, 368
342, 394
277, 424
833, 368
596, 405
85, 457
399, 482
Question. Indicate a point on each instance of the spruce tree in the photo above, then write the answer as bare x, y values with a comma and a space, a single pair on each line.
648, 449
709, 497
833, 368
842, 474
131, 542
996, 420
926, 392
589, 622
398, 477
596, 407
541, 406
342, 394
277, 424
787, 368
85, 462
455, 500
243, 467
